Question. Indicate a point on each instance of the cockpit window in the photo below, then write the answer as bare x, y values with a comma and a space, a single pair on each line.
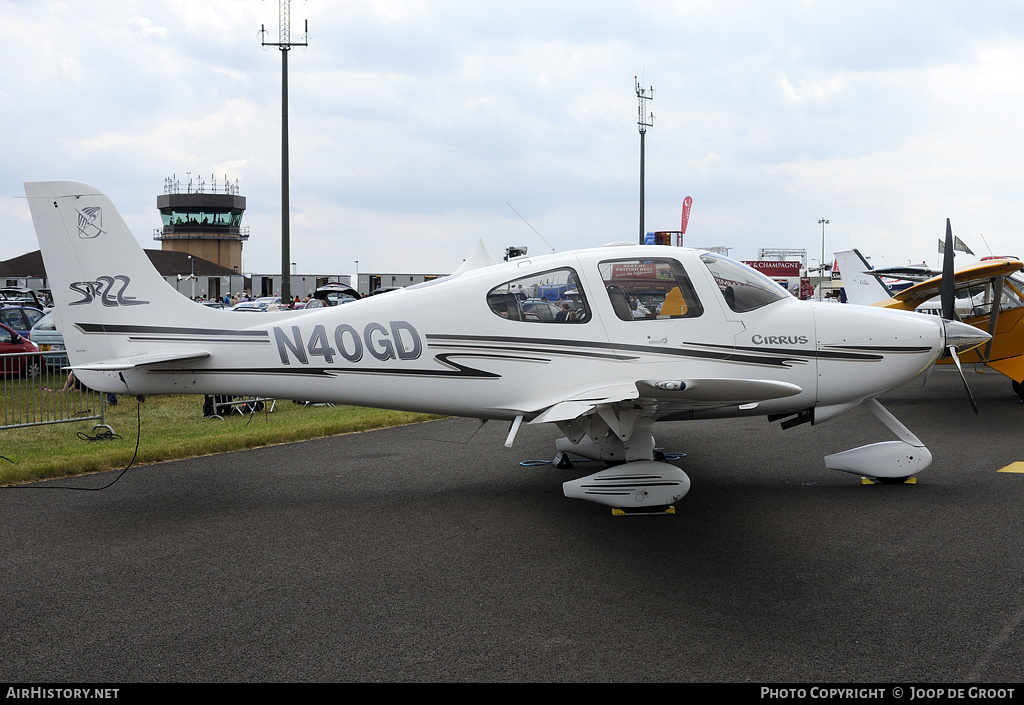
744, 289
979, 299
649, 289
554, 296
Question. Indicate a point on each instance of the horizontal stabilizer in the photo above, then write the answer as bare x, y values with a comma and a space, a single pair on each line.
911, 273
137, 361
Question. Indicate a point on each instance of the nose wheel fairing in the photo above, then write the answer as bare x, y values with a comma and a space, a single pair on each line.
889, 459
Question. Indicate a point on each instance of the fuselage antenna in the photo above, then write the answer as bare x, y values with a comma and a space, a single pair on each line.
986, 243
531, 227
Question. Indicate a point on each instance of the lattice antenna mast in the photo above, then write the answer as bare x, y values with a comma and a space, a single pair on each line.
285, 43
643, 121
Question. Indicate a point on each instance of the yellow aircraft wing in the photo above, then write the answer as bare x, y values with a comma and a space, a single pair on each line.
970, 275
1005, 352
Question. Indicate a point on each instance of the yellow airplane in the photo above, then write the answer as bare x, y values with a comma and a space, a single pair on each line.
988, 295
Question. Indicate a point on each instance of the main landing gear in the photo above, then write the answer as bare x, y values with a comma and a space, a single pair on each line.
637, 483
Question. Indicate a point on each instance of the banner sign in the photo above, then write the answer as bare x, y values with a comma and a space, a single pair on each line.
637, 270
776, 269
806, 290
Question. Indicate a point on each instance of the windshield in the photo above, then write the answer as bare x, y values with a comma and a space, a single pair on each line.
744, 289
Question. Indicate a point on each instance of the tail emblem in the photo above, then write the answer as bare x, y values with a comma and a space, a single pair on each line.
110, 291
89, 221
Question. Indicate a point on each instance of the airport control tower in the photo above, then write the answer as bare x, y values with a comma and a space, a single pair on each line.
203, 219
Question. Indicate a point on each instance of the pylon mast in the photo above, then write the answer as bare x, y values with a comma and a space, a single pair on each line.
285, 43
643, 121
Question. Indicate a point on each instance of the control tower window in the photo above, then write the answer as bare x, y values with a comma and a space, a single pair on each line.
199, 218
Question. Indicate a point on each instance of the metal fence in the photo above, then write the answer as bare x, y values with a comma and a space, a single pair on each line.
38, 390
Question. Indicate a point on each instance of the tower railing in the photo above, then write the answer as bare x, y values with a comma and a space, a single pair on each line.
172, 185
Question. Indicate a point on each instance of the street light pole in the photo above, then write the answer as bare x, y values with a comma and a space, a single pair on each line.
821, 272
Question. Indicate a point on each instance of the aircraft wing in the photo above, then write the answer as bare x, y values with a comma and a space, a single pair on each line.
145, 360
971, 275
696, 393
1012, 367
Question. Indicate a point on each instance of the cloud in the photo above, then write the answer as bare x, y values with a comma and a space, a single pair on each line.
413, 123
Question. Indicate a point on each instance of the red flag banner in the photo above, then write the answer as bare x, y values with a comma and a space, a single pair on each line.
687, 202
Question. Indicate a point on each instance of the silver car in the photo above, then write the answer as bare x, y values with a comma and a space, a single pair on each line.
45, 334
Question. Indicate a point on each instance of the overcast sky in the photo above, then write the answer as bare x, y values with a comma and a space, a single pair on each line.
415, 123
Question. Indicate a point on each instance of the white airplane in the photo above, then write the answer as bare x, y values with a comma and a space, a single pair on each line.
552, 339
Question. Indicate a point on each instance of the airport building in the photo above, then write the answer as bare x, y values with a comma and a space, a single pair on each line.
203, 219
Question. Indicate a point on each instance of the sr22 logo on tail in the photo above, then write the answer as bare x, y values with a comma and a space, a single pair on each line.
103, 289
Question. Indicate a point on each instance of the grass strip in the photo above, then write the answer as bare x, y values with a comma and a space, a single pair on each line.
173, 428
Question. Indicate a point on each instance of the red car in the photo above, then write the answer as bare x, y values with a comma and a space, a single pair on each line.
12, 342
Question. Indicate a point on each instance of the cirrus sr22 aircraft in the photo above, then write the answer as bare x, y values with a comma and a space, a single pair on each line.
640, 334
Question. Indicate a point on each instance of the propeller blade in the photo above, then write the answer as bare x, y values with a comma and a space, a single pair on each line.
946, 288
956, 360
962, 336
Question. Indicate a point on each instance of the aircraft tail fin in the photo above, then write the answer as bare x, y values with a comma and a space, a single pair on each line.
102, 281
861, 286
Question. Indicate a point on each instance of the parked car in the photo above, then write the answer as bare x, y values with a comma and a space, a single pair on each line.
46, 299
332, 294
46, 336
22, 296
20, 318
539, 310
13, 342
250, 306
259, 305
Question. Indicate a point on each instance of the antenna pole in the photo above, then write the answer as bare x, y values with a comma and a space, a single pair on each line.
822, 222
285, 44
531, 227
643, 121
